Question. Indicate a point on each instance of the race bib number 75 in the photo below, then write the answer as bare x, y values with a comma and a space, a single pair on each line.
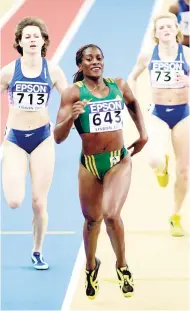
165, 78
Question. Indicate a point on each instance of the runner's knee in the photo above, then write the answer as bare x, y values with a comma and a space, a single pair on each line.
14, 202
39, 205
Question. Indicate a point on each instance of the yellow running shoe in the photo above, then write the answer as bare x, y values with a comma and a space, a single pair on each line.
91, 283
163, 177
126, 283
175, 226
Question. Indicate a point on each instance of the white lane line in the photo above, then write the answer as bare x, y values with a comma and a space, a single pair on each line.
30, 232
81, 15
74, 279
4, 19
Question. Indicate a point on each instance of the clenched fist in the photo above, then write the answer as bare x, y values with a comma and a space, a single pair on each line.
78, 108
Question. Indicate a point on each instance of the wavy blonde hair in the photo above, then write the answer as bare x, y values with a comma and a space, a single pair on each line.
31, 21
179, 36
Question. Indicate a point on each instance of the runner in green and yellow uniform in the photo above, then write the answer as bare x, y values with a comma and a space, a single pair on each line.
96, 106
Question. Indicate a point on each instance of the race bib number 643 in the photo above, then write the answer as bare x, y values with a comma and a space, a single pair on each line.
106, 115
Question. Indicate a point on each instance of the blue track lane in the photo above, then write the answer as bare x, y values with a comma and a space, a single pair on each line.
119, 33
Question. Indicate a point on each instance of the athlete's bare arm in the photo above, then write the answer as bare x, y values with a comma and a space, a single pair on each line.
132, 106
185, 78
141, 64
70, 96
58, 77
6, 75
174, 8
186, 51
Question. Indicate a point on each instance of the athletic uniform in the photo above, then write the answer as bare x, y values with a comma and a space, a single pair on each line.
101, 115
29, 94
163, 75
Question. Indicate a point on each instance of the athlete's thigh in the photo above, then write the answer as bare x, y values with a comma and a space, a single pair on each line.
90, 193
116, 186
158, 135
181, 142
42, 161
14, 169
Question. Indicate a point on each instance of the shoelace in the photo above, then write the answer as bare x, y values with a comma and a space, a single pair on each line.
90, 275
37, 256
126, 278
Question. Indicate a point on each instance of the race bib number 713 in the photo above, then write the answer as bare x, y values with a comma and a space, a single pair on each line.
30, 96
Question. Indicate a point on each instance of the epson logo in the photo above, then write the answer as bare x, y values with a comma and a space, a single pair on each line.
113, 105
167, 66
31, 88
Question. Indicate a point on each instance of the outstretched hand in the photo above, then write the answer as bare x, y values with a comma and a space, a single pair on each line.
138, 145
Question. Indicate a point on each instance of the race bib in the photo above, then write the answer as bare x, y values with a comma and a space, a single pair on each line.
184, 23
106, 115
166, 78
30, 96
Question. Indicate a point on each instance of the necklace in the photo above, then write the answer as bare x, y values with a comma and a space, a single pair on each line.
97, 86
